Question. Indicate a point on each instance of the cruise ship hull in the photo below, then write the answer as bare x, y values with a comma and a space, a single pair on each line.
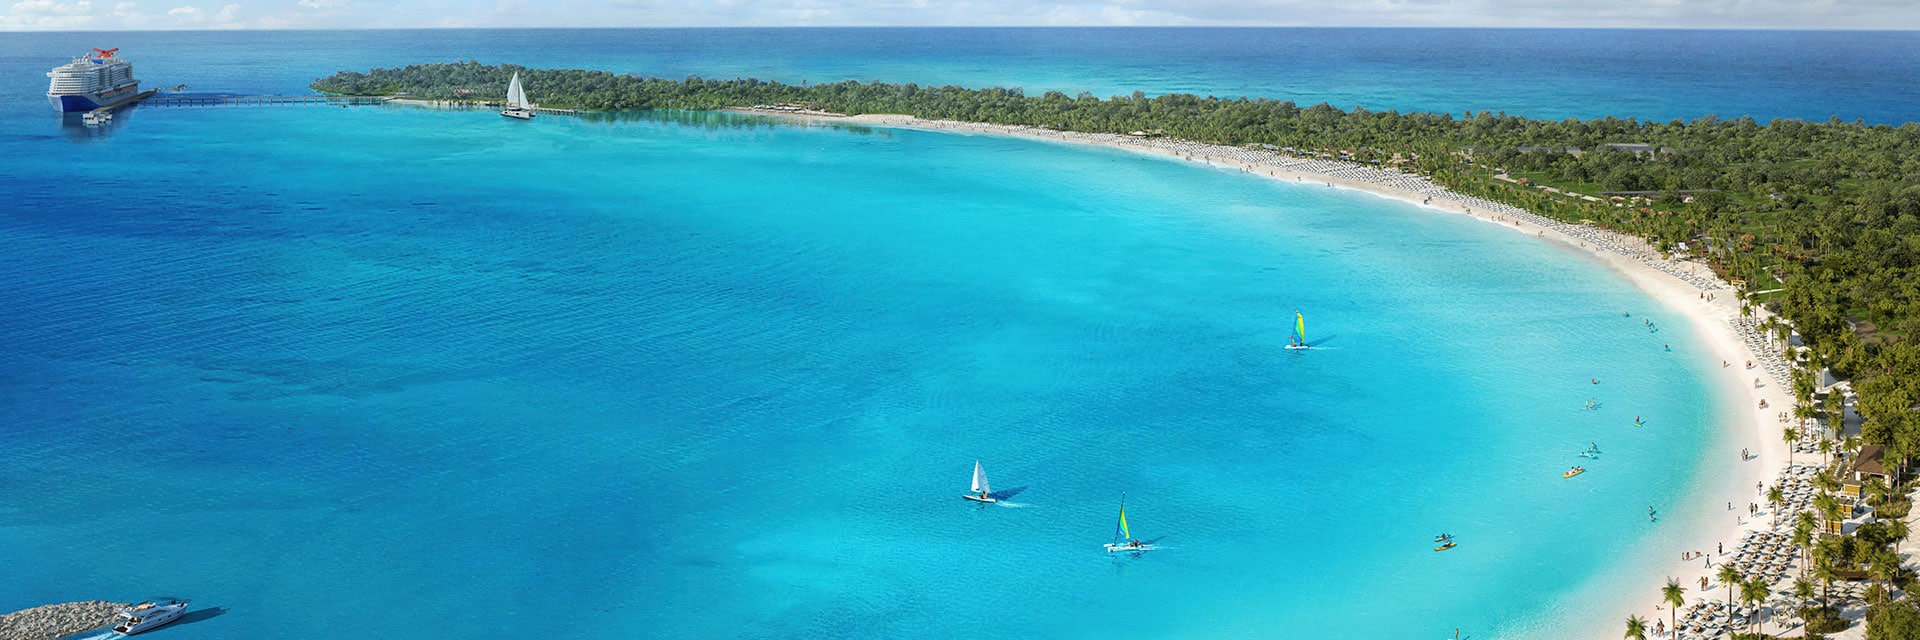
70, 102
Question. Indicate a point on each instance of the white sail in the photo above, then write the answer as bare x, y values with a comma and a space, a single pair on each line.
516, 96
980, 479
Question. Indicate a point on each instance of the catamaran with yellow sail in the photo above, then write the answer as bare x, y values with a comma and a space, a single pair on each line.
1123, 541
1299, 338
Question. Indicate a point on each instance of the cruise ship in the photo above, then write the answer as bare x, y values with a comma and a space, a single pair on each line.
92, 81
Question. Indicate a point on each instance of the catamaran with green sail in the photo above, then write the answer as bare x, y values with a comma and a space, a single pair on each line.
1299, 338
1123, 541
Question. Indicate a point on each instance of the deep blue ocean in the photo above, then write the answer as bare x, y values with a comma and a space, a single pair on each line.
395, 372
1542, 73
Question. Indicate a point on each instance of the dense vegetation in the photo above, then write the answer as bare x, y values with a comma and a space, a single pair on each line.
1894, 621
1818, 221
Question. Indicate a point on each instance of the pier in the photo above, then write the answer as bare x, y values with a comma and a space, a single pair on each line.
468, 104
260, 100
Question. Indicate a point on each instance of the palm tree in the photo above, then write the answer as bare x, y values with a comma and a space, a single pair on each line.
1729, 576
1803, 538
1897, 529
1776, 497
1826, 482
1803, 590
1754, 592
1675, 597
1826, 450
1876, 491
1790, 435
1828, 506
1885, 567
1636, 628
1823, 571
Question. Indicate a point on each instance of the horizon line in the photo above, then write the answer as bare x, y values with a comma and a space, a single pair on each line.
1017, 26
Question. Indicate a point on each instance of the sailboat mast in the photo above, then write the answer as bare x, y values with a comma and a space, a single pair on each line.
516, 95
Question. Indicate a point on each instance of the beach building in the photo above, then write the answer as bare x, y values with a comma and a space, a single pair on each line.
1871, 463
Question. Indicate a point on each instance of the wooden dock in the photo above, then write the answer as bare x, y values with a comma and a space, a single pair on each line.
261, 100
463, 105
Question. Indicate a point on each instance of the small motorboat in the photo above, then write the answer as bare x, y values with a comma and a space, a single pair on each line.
150, 615
1574, 472
1444, 547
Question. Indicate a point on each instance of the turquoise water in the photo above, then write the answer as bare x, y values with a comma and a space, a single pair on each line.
695, 375
1542, 73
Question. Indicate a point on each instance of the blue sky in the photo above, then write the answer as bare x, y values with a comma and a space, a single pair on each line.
21, 15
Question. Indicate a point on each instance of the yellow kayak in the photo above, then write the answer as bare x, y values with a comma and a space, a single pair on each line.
1576, 471
1444, 547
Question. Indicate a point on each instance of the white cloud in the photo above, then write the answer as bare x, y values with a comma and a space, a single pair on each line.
229, 13
51, 8
47, 15
324, 4
185, 12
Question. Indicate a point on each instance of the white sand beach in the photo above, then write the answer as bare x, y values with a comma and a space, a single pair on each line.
1682, 286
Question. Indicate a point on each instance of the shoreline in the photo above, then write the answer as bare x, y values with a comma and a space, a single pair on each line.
1718, 319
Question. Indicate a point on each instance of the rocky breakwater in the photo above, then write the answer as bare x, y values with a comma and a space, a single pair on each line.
56, 620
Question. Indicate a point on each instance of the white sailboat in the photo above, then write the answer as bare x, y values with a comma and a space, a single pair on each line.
981, 491
517, 105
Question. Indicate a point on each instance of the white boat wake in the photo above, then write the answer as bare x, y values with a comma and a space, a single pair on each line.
102, 633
